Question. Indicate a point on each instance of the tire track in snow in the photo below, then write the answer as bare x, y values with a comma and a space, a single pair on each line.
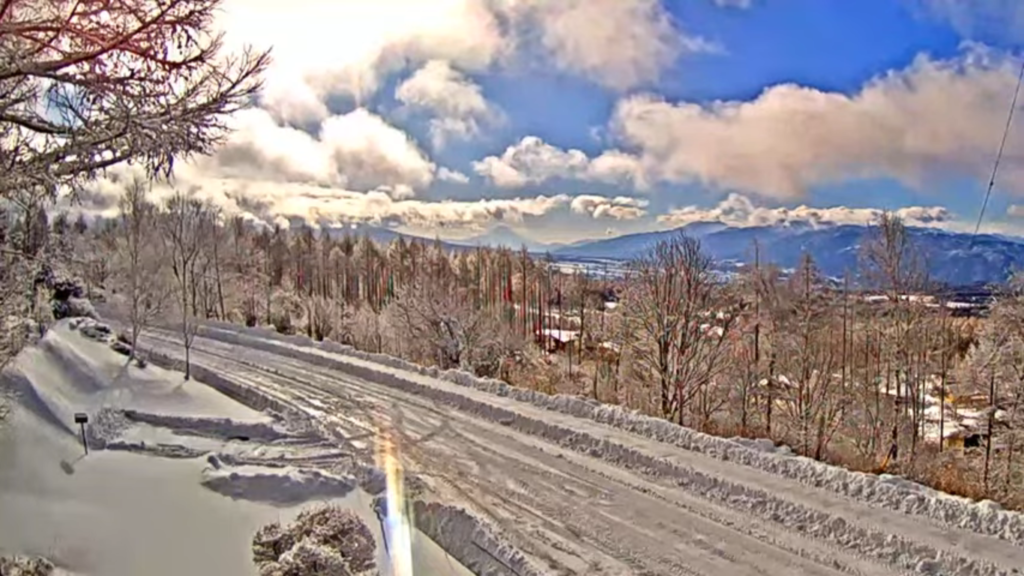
902, 533
305, 372
302, 372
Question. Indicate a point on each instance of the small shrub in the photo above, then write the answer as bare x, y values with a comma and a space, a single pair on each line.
283, 323
25, 566
325, 541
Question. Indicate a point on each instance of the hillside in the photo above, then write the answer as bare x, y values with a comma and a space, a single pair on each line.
952, 258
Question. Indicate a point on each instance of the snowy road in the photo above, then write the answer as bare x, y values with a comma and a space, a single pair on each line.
575, 496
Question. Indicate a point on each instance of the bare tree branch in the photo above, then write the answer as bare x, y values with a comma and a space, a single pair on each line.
88, 84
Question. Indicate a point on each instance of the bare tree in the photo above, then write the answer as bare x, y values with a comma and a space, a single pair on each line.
448, 332
85, 85
15, 277
141, 261
678, 325
184, 222
813, 394
995, 368
892, 264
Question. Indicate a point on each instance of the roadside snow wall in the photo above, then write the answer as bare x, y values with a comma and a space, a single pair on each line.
882, 491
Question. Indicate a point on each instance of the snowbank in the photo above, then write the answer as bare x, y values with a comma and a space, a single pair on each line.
113, 513
280, 487
116, 512
477, 545
884, 492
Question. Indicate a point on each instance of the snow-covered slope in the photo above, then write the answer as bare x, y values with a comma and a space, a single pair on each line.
577, 487
179, 476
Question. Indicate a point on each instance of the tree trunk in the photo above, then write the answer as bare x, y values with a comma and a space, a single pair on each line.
991, 421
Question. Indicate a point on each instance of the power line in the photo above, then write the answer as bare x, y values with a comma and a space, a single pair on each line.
999, 155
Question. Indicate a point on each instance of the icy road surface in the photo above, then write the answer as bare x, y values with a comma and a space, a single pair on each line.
575, 496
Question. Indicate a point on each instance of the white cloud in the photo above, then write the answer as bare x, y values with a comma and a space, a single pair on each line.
327, 206
258, 148
618, 208
348, 47
357, 151
326, 52
989, 20
457, 104
935, 118
620, 44
533, 161
739, 210
449, 175
269, 202
370, 153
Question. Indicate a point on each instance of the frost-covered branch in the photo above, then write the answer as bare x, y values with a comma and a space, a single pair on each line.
87, 84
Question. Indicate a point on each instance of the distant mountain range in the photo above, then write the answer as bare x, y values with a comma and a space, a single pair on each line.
500, 236
952, 258
505, 236
378, 234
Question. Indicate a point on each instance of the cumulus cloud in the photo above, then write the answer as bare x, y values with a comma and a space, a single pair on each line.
533, 161
349, 47
738, 210
358, 151
271, 202
620, 44
456, 103
325, 48
331, 207
618, 208
449, 175
371, 153
345, 51
935, 118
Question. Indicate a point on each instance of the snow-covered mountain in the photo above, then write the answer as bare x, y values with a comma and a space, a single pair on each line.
504, 236
951, 257
384, 235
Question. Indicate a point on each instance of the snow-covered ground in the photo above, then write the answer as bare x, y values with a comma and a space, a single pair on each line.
508, 481
179, 476
561, 485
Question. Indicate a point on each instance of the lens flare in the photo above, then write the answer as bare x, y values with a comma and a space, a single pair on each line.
397, 526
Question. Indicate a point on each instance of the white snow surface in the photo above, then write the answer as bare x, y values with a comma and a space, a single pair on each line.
572, 486
763, 454
178, 479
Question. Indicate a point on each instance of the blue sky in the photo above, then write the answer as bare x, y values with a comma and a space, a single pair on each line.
567, 119
832, 45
